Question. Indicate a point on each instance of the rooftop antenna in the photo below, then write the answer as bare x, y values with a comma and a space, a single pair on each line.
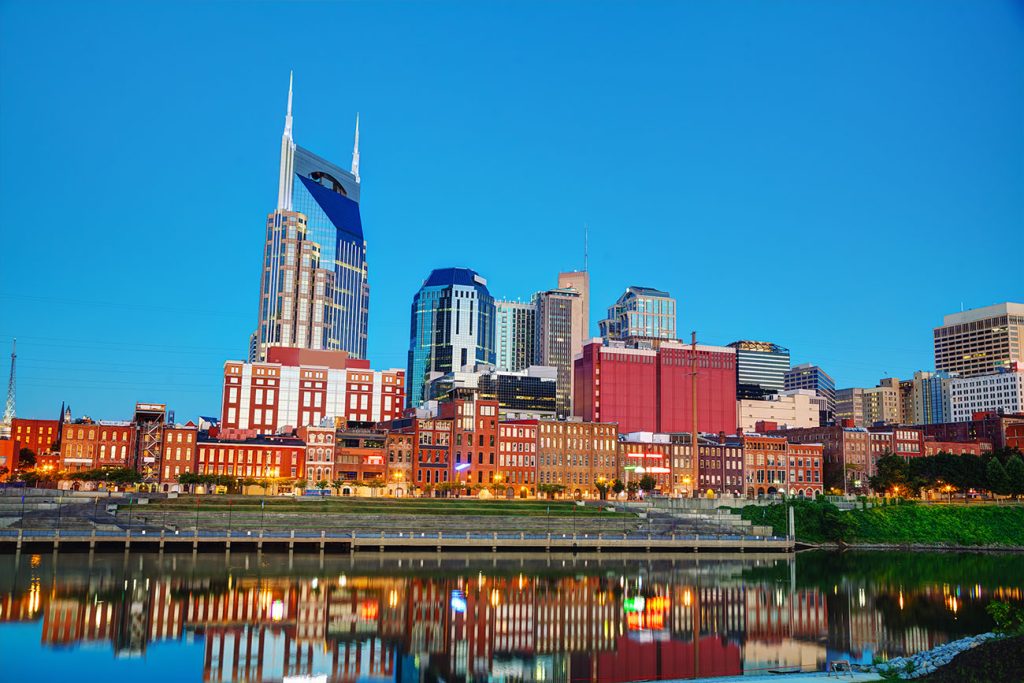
586, 247
5, 424
355, 151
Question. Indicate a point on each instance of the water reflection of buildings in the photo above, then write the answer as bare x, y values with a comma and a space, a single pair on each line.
607, 628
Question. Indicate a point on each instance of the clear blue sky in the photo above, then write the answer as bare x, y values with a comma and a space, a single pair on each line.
831, 176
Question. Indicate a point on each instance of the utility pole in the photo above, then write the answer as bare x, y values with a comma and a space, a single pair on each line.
694, 436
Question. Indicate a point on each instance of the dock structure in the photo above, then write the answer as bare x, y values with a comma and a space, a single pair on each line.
385, 541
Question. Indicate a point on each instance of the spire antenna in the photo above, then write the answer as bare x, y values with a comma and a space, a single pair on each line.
9, 412
284, 180
355, 151
288, 116
586, 247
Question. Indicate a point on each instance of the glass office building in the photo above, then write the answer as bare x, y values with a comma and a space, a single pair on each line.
329, 198
760, 369
452, 327
808, 376
514, 335
641, 312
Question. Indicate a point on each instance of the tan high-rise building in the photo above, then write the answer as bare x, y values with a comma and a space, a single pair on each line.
882, 404
580, 281
980, 341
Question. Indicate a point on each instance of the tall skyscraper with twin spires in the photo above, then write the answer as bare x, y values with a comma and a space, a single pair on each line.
314, 291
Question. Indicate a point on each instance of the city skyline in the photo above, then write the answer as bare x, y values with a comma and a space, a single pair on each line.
114, 320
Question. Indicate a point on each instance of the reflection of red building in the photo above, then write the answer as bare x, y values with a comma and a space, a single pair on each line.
636, 660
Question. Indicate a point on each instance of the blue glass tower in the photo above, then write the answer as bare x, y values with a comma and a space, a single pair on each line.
452, 327
314, 291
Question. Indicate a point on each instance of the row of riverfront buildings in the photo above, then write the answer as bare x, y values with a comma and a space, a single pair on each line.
476, 363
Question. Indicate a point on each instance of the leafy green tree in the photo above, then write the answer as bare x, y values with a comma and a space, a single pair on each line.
602, 487
1015, 474
322, 484
647, 483
891, 471
618, 487
631, 489
336, 484
301, 483
998, 480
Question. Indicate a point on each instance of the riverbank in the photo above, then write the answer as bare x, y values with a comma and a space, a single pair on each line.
984, 658
906, 525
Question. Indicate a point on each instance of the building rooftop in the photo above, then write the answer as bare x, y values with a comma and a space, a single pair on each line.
975, 314
445, 277
646, 291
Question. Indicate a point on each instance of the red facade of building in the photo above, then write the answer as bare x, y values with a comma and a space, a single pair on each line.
932, 447
89, 445
648, 390
38, 436
517, 456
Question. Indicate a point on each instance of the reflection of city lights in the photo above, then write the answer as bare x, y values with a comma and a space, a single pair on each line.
687, 597
393, 598
901, 599
315, 583
277, 610
458, 602
33, 597
862, 598
369, 610
495, 598
342, 580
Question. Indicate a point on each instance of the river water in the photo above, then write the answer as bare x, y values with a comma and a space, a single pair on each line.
147, 617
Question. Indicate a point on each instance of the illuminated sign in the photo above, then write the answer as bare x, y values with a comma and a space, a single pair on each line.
658, 470
464, 466
375, 460
369, 610
633, 604
458, 602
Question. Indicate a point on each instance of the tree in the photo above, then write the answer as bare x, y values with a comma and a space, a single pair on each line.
26, 458
648, 483
550, 489
1015, 473
336, 484
602, 487
322, 484
998, 480
301, 483
618, 487
375, 485
188, 478
892, 472
631, 489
